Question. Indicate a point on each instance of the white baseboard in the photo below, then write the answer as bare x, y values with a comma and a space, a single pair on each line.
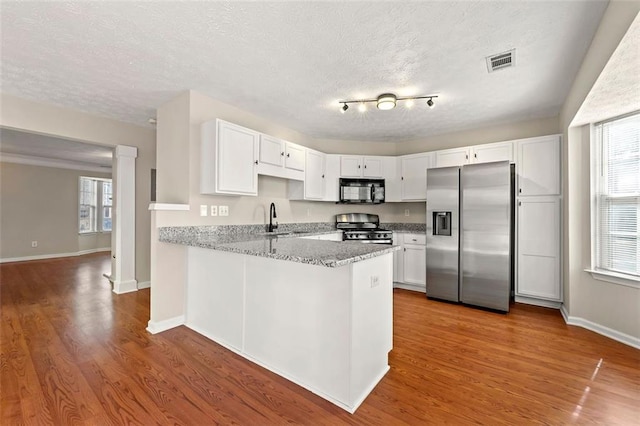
411, 287
600, 329
538, 302
155, 327
144, 284
53, 256
121, 287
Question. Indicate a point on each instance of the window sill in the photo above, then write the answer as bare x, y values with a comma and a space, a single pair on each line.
615, 278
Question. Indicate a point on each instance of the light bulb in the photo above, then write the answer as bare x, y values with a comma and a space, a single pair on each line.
362, 107
409, 103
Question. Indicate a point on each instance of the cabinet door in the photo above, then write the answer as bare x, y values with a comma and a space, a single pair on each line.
414, 176
350, 166
415, 269
294, 156
492, 152
538, 166
236, 162
372, 167
398, 259
539, 248
332, 177
271, 150
452, 157
314, 176
392, 182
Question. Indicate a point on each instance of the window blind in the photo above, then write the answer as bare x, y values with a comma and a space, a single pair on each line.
618, 195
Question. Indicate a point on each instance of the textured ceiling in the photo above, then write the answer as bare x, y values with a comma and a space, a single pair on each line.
617, 89
45, 147
292, 61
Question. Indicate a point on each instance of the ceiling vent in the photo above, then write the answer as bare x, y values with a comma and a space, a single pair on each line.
501, 60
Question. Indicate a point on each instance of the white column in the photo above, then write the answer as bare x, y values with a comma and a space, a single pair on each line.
124, 233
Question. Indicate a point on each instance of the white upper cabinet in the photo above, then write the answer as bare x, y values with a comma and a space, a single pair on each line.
332, 177
280, 158
538, 166
372, 167
452, 157
294, 156
350, 166
228, 159
314, 176
358, 166
271, 150
413, 176
490, 152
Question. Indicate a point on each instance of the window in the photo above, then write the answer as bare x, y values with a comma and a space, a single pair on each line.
617, 197
95, 204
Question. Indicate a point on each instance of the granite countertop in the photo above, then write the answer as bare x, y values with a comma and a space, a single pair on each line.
417, 228
288, 247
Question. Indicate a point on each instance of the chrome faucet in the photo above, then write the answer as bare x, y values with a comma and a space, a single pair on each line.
272, 215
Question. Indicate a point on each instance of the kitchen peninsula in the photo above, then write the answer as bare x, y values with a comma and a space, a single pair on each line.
318, 313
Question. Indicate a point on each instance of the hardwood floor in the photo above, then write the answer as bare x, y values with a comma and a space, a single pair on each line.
75, 353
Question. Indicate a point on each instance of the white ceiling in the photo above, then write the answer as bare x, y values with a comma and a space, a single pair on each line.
21, 144
617, 89
292, 61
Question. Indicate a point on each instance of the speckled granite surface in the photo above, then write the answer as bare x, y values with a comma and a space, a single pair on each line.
250, 239
405, 227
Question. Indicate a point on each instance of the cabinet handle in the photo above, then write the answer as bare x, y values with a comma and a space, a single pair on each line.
475, 155
404, 249
519, 203
520, 190
288, 155
466, 156
365, 166
256, 161
282, 153
322, 176
401, 177
413, 239
358, 165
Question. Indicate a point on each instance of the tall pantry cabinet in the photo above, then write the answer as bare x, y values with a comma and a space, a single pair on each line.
538, 230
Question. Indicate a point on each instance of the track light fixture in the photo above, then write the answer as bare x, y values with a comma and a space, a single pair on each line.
386, 101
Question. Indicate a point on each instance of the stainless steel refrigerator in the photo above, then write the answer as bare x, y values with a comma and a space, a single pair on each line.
470, 234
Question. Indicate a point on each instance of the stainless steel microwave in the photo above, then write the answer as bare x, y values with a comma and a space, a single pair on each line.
361, 191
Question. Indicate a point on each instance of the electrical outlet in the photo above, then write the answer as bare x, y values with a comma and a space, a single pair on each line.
34, 244
407, 212
375, 281
224, 210
214, 210
203, 210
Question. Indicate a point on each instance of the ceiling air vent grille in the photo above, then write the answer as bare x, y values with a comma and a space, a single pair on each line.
501, 60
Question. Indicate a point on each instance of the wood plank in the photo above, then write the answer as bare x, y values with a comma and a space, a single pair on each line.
74, 352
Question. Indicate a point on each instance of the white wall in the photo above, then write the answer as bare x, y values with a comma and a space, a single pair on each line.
41, 204
604, 304
35, 117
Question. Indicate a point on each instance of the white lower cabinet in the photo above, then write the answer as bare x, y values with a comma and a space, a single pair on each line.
538, 250
410, 261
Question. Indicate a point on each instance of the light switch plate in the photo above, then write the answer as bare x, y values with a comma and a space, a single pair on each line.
214, 210
224, 210
203, 210
375, 281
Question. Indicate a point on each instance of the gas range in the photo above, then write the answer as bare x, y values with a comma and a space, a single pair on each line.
364, 228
